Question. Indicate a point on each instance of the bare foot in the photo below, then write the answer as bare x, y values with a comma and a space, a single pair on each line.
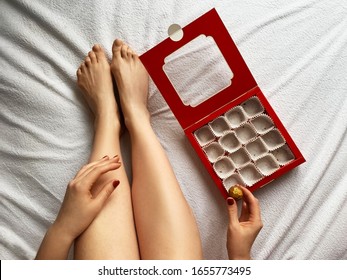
132, 82
95, 79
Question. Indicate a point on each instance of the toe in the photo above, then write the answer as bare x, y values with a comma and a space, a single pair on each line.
92, 56
116, 47
82, 69
117, 43
99, 52
87, 61
132, 53
79, 75
97, 48
124, 51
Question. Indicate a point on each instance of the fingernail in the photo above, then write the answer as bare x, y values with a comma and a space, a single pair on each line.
115, 183
230, 201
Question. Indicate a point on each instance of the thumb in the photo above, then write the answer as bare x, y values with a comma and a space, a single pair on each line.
106, 192
232, 211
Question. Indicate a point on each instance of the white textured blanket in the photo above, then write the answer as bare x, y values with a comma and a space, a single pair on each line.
297, 52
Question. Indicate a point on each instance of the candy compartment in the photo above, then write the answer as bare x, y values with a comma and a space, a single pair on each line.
230, 142
213, 151
224, 167
257, 149
240, 158
236, 117
267, 164
253, 107
243, 145
250, 174
262, 124
245, 133
273, 139
204, 135
219, 126
232, 180
283, 155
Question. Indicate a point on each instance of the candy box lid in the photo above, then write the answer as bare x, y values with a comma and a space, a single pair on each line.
211, 26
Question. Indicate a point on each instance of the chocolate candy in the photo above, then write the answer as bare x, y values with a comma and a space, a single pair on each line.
236, 192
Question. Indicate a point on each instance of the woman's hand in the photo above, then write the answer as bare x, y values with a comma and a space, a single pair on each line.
80, 206
243, 231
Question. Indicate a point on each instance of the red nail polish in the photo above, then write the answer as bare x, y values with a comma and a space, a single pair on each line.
230, 201
115, 183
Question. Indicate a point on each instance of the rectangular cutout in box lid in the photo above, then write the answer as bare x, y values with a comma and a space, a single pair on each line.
235, 131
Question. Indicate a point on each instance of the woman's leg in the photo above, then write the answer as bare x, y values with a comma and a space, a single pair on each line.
165, 224
112, 234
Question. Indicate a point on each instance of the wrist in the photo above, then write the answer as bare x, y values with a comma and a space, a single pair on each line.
55, 245
60, 234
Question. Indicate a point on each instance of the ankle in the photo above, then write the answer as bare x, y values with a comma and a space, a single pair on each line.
136, 119
108, 120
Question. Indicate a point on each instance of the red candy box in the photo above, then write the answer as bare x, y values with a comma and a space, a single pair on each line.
236, 133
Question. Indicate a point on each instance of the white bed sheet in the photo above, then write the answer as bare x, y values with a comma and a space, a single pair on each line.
297, 52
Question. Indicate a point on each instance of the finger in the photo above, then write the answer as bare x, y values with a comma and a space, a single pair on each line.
232, 211
105, 193
96, 171
89, 165
244, 212
252, 204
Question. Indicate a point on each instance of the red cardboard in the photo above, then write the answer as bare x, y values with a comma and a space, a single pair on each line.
236, 133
